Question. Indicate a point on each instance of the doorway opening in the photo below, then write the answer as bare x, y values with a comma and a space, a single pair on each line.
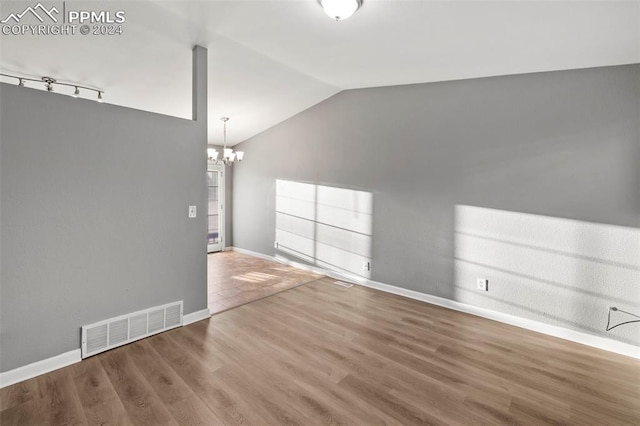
215, 210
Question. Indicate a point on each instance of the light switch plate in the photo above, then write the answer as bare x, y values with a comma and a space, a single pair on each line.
192, 212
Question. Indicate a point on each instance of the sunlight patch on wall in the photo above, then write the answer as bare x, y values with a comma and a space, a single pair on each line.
563, 271
325, 226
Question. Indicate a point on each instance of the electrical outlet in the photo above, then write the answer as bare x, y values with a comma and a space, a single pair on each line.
366, 266
192, 212
482, 284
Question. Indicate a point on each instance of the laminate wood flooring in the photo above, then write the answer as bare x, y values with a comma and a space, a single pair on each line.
235, 279
324, 354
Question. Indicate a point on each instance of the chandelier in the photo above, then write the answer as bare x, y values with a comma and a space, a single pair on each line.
228, 155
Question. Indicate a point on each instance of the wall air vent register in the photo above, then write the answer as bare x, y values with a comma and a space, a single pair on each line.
111, 333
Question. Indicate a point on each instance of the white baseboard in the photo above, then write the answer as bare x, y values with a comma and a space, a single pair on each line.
285, 261
195, 317
540, 327
29, 371
551, 330
37, 368
253, 253
342, 276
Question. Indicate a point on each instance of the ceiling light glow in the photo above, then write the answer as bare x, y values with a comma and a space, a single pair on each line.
340, 9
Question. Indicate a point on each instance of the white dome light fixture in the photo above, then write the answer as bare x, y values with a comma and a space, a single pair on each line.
340, 9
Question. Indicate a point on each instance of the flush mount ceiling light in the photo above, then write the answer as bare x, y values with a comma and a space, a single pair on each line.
49, 84
340, 9
228, 156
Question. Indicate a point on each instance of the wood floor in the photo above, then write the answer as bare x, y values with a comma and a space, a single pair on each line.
325, 354
235, 279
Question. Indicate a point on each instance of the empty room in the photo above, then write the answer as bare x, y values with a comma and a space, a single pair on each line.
309, 212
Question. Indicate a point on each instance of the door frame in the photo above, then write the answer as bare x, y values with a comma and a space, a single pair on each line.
212, 248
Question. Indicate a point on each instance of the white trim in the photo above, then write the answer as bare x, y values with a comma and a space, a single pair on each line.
195, 317
37, 368
342, 276
551, 330
254, 254
47, 365
540, 327
212, 167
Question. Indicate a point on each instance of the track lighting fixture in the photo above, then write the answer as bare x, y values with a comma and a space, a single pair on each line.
50, 83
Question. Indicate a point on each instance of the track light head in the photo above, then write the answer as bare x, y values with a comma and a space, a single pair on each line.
76, 93
20, 82
100, 97
48, 83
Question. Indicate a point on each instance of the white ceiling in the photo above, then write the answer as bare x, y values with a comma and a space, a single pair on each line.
269, 60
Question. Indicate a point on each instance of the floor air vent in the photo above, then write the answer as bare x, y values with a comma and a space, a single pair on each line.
108, 334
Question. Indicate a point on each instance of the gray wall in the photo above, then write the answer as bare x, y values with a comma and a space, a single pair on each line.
94, 221
561, 144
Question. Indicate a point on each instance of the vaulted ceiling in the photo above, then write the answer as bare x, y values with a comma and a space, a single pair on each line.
269, 60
